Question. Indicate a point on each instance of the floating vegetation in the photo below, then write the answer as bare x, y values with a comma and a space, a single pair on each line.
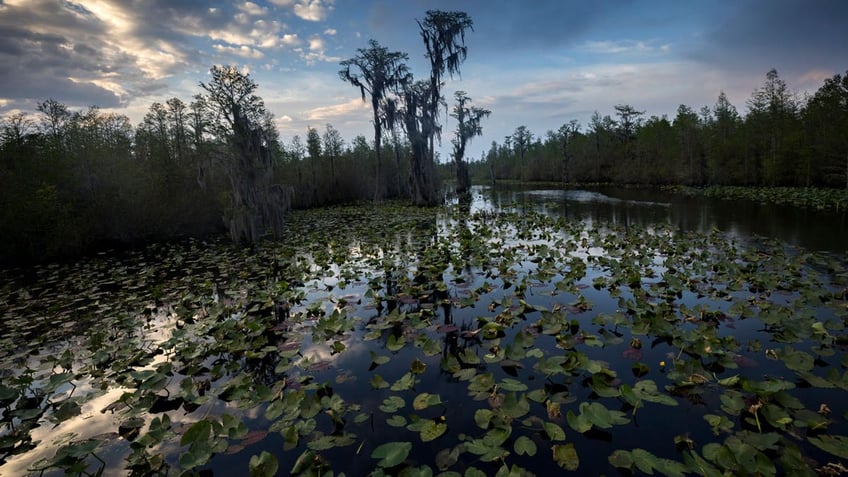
394, 340
812, 197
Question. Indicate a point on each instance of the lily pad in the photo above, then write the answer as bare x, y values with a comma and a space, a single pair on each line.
391, 453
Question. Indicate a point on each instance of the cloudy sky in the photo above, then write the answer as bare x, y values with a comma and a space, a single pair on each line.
537, 63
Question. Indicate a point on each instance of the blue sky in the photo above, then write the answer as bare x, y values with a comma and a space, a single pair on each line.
534, 63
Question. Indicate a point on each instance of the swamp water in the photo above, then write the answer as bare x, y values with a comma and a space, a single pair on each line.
601, 332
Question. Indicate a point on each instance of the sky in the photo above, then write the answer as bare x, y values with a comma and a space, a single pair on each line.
539, 63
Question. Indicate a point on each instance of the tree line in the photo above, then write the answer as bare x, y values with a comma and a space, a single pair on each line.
75, 181
781, 140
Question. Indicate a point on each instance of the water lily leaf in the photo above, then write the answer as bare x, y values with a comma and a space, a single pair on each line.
468, 356
647, 391
515, 406
834, 444
263, 465
496, 436
565, 455
396, 421
392, 404
509, 384
602, 417
797, 360
391, 453
445, 458
483, 417
465, 374
395, 343
405, 382
377, 382
474, 472
525, 446
198, 432
67, 410
432, 430
578, 422
425, 400
621, 459
554, 432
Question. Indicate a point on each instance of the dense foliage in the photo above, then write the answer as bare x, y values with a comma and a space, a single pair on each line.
782, 140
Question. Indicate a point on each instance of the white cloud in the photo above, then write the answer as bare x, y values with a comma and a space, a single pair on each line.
252, 9
243, 51
316, 43
313, 10
290, 39
330, 31
328, 113
609, 47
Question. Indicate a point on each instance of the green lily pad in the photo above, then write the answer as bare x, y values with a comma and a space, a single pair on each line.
425, 400
263, 465
836, 445
432, 430
391, 453
525, 446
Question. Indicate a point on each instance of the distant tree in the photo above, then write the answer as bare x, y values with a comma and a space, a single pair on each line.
257, 205
521, 139
55, 120
15, 127
176, 115
468, 120
772, 112
313, 147
686, 127
333, 147
826, 116
378, 72
564, 135
724, 166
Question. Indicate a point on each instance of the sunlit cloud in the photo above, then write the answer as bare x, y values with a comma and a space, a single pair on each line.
252, 9
242, 51
313, 10
328, 113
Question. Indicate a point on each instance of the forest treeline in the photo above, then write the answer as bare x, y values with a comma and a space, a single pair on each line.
76, 180
779, 140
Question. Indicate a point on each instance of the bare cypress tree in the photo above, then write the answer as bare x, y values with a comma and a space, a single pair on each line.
468, 126
444, 39
376, 71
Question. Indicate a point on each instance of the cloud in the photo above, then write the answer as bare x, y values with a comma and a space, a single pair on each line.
290, 39
336, 111
330, 31
610, 47
242, 51
252, 9
313, 10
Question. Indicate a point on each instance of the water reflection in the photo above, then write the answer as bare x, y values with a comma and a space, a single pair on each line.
806, 228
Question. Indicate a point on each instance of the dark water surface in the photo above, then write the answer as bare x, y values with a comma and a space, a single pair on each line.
437, 310
812, 229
